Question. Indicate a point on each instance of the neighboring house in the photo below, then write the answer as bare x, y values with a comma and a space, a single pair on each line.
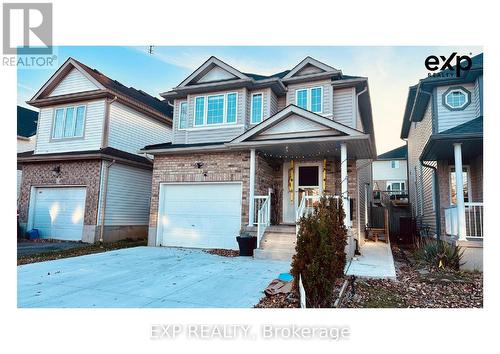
26, 136
390, 176
443, 126
239, 138
390, 171
85, 179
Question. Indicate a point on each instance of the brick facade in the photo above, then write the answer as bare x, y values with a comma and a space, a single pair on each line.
75, 173
217, 167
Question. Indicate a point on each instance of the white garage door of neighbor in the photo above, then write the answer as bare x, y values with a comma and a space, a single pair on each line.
200, 215
58, 212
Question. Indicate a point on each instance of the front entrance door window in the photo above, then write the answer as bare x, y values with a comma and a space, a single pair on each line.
308, 183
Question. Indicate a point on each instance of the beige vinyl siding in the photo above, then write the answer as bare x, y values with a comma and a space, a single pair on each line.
448, 119
208, 133
130, 130
274, 103
327, 94
420, 177
74, 82
128, 196
382, 170
344, 110
476, 97
281, 102
94, 119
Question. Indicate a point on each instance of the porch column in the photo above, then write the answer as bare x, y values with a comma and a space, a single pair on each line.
459, 183
251, 192
344, 184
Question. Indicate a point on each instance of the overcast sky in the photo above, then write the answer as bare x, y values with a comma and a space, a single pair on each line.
390, 71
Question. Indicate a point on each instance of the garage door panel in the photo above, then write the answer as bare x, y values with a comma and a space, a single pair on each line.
58, 212
200, 215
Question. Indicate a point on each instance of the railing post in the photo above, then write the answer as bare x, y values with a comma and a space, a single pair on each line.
459, 185
251, 187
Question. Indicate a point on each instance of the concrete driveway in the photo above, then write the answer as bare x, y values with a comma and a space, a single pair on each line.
146, 277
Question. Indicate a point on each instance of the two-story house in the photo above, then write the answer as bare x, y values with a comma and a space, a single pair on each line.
251, 150
85, 179
390, 177
443, 125
26, 136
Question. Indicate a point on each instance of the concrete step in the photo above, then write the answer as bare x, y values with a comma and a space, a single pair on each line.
279, 255
278, 243
287, 229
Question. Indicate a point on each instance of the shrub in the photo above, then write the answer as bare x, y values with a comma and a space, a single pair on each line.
438, 254
320, 251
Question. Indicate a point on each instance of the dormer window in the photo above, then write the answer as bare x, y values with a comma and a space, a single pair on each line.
68, 122
310, 99
456, 98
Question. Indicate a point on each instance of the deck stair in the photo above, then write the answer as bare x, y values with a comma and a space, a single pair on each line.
278, 243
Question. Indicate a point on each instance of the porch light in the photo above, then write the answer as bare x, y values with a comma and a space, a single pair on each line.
199, 164
56, 170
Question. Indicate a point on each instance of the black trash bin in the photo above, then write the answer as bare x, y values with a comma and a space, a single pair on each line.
247, 245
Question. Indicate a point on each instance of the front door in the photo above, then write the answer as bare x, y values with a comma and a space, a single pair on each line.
306, 182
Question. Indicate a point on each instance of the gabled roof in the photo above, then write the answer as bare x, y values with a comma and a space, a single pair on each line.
26, 122
312, 62
209, 65
295, 110
419, 95
103, 83
399, 153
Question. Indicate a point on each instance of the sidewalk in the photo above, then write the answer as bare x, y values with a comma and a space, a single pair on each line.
375, 262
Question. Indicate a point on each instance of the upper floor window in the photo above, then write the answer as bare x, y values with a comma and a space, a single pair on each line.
215, 109
394, 164
456, 98
68, 122
310, 99
257, 108
183, 115
231, 107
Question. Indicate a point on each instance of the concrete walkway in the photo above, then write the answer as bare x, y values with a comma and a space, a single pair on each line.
146, 277
375, 262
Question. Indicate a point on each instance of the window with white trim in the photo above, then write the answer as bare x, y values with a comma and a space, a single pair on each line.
395, 186
183, 108
68, 122
215, 109
310, 99
453, 185
257, 108
394, 164
456, 98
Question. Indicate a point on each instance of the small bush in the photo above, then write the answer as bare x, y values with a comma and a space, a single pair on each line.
320, 252
438, 254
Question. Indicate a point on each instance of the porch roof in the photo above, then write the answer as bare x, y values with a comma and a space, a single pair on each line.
297, 133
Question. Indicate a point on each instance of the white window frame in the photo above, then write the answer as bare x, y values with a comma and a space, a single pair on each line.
396, 164
309, 97
466, 102
205, 111
261, 108
389, 183
469, 183
65, 108
187, 115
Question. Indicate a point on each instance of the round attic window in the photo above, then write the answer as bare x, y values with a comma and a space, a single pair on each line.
456, 99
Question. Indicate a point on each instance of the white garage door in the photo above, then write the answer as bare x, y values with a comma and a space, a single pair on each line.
58, 212
199, 215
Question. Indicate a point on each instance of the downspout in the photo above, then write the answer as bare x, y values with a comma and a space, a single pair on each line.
104, 197
105, 128
436, 198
